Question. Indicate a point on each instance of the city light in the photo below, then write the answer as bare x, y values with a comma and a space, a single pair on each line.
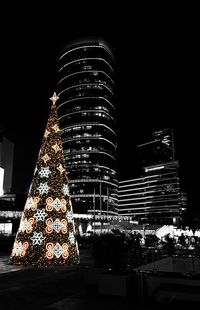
154, 168
1, 180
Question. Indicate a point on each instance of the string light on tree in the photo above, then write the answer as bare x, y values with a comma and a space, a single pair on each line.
46, 235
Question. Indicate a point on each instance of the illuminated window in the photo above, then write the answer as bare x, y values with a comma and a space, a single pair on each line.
87, 67
85, 155
6, 228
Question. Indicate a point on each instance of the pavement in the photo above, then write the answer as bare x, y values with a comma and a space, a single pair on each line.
59, 288
52, 288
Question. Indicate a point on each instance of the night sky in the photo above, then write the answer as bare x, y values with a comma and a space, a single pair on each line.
157, 66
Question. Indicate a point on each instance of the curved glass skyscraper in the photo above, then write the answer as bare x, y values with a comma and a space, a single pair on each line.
87, 116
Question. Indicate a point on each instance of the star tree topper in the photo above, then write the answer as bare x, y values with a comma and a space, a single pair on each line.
54, 98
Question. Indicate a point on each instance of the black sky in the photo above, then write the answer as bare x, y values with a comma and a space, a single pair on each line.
157, 62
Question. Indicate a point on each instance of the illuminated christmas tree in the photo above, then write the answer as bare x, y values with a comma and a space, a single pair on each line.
46, 234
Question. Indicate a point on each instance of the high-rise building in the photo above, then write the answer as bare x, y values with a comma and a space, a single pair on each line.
158, 149
157, 195
87, 117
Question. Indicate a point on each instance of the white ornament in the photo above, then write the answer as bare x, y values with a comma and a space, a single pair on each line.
65, 189
69, 216
40, 215
44, 172
43, 188
71, 238
37, 238
57, 250
57, 225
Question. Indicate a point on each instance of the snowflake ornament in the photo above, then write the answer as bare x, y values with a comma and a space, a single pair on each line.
44, 172
65, 189
69, 216
71, 238
43, 188
37, 238
40, 215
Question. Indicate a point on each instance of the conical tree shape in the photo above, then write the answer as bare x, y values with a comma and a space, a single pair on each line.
46, 235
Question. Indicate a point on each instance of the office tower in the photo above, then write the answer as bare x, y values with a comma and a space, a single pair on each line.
157, 195
158, 149
87, 117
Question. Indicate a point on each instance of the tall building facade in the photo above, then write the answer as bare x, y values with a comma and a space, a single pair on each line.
159, 148
157, 196
87, 117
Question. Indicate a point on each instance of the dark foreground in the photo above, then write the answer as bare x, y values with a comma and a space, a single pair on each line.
59, 288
